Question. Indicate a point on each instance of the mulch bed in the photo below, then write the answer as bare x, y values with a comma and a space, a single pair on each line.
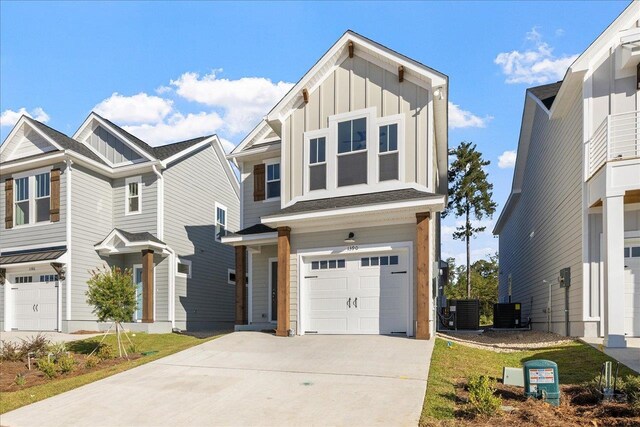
578, 407
10, 369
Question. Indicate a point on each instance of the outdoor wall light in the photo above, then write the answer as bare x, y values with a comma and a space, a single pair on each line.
350, 238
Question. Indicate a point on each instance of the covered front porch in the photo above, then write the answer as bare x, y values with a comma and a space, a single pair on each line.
141, 253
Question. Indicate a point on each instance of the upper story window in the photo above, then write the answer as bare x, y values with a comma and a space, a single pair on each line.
133, 202
388, 152
183, 268
32, 200
317, 164
221, 221
352, 152
273, 180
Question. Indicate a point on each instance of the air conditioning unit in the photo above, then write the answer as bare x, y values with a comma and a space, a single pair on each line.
467, 313
507, 315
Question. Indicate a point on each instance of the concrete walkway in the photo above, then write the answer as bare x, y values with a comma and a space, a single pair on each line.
54, 337
251, 378
629, 356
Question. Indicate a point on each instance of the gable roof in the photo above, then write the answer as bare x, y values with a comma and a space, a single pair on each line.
163, 152
132, 138
546, 93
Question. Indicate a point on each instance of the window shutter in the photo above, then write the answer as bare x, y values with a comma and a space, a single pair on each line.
55, 195
8, 203
258, 182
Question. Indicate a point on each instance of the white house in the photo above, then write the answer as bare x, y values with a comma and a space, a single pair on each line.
575, 198
342, 185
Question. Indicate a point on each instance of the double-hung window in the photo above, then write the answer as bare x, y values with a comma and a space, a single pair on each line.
33, 199
388, 152
273, 180
352, 152
317, 164
133, 202
221, 221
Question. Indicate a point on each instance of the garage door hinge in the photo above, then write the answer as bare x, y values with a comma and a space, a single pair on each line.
310, 277
310, 332
398, 272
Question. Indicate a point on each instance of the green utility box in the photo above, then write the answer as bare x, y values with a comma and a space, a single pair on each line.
541, 381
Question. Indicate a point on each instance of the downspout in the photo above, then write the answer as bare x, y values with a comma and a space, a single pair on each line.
68, 272
172, 254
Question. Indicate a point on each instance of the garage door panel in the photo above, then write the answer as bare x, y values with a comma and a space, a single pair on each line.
328, 284
370, 282
35, 306
330, 325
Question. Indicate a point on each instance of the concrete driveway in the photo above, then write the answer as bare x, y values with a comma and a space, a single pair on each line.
251, 378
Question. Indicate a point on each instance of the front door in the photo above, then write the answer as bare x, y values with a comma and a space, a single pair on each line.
274, 290
137, 279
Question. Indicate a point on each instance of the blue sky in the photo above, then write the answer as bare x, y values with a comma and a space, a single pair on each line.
170, 71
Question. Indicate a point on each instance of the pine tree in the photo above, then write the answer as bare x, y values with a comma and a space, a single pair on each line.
470, 195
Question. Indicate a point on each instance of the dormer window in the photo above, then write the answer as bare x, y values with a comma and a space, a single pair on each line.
352, 152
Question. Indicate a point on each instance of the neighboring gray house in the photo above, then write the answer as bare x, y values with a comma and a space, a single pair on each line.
105, 198
342, 185
575, 199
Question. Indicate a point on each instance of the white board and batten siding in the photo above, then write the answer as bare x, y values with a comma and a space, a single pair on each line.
195, 184
543, 233
111, 147
354, 85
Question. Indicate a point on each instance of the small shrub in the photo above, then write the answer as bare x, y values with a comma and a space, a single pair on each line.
482, 395
47, 367
91, 362
11, 352
133, 348
20, 380
106, 351
58, 350
38, 345
66, 363
630, 386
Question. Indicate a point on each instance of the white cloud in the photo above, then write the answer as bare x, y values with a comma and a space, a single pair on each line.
136, 109
10, 117
177, 127
243, 101
459, 118
227, 145
535, 65
507, 159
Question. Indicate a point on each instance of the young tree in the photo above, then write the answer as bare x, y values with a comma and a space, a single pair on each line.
469, 195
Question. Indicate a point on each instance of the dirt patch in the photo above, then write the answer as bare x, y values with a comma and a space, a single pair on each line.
577, 407
83, 332
9, 371
506, 341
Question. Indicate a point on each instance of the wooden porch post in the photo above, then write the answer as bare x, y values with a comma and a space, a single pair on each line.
284, 282
423, 331
241, 289
147, 286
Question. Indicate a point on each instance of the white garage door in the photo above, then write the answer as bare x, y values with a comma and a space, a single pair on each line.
632, 290
364, 294
35, 304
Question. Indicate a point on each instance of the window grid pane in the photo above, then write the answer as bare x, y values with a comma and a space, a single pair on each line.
384, 138
359, 134
43, 185
22, 189
313, 151
321, 150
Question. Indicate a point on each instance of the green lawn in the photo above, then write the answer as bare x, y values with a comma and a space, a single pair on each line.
165, 344
577, 363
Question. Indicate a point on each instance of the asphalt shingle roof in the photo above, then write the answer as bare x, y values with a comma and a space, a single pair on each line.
546, 93
145, 236
165, 151
256, 229
357, 200
45, 254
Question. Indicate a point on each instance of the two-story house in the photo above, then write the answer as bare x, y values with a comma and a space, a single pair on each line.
103, 197
575, 200
342, 184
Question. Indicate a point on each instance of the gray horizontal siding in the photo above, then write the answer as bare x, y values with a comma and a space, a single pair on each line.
544, 232
147, 219
92, 220
36, 234
252, 211
192, 187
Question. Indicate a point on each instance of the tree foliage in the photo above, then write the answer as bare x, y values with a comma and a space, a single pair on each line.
112, 294
470, 195
484, 284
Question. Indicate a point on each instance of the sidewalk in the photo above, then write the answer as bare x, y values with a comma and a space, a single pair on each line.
629, 356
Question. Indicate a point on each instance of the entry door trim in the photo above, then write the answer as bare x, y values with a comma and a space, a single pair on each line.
133, 274
270, 261
304, 254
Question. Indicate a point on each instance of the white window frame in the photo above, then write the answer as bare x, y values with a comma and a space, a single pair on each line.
185, 262
31, 185
132, 180
224, 208
231, 271
308, 136
266, 179
396, 119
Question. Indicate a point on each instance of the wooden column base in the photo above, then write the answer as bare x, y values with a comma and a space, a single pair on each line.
423, 330
284, 282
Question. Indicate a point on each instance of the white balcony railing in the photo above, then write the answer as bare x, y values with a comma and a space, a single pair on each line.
615, 139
